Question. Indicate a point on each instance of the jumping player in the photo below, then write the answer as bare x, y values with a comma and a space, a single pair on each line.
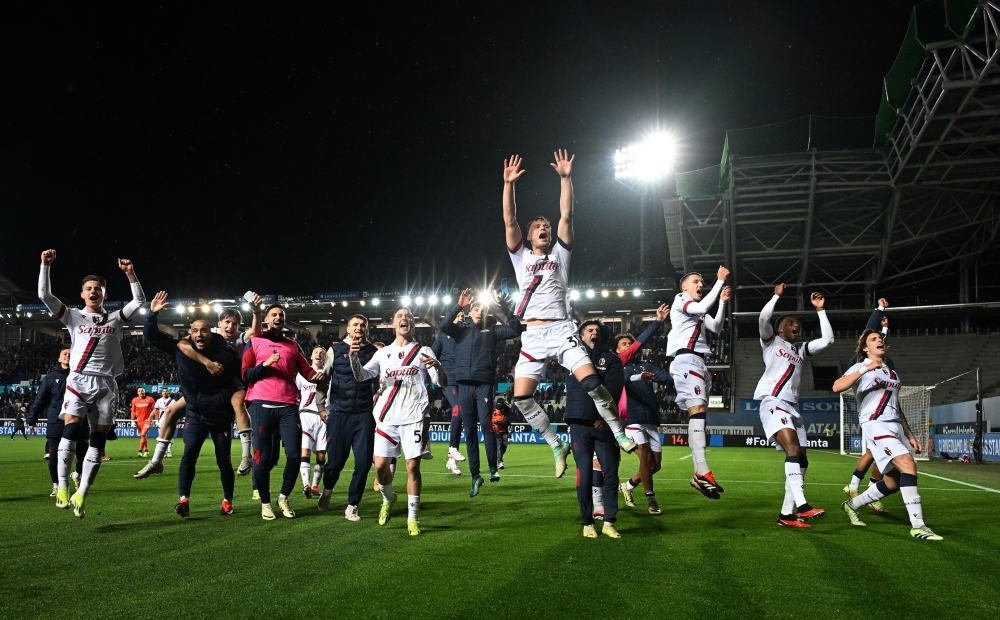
876, 388
142, 413
404, 368
778, 393
543, 276
313, 427
686, 343
95, 360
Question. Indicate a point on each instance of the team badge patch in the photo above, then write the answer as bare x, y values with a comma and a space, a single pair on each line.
697, 389
784, 420
888, 451
400, 355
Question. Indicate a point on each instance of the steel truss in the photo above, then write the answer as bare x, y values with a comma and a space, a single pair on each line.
857, 224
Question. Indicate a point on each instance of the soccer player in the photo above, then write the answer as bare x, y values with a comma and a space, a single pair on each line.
348, 405
50, 399
95, 360
778, 393
876, 322
162, 404
270, 363
475, 364
19, 423
444, 349
404, 367
228, 327
876, 388
501, 428
591, 433
209, 408
142, 413
686, 343
543, 276
313, 427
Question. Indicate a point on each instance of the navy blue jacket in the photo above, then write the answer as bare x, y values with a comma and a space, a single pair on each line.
345, 395
444, 349
642, 405
874, 323
207, 396
475, 348
49, 399
580, 407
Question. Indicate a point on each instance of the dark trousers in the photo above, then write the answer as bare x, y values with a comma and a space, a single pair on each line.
269, 423
586, 441
51, 448
475, 403
19, 429
344, 432
195, 434
451, 397
275, 454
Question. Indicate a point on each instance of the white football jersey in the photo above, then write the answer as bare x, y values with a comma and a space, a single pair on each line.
687, 331
238, 343
307, 391
96, 341
163, 403
404, 382
544, 282
783, 369
877, 393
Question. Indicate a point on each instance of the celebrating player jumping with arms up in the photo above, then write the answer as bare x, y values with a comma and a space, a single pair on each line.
543, 276
95, 360
403, 368
686, 343
884, 426
270, 364
778, 393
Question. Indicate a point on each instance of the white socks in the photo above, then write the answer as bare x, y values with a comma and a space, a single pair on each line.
304, 470
65, 453
535, 416
91, 465
162, 445
873, 494
793, 481
598, 495
607, 409
317, 473
697, 443
386, 490
856, 479
413, 507
911, 497
245, 442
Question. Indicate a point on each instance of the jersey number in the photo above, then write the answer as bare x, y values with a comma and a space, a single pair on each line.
416, 433
574, 341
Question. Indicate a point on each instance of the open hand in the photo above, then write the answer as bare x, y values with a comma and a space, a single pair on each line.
564, 163
512, 169
663, 313
465, 298
159, 302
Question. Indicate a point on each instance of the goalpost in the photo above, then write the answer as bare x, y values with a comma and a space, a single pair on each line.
914, 400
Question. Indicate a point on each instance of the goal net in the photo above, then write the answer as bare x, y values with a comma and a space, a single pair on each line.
915, 401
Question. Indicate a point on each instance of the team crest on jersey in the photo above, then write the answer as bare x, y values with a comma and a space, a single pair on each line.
400, 355
784, 420
888, 452
97, 318
697, 389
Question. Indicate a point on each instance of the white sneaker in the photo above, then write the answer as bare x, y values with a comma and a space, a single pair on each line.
455, 454
75, 477
266, 513
55, 490
286, 509
351, 514
451, 465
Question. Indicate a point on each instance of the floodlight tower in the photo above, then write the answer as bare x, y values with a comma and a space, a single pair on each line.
641, 168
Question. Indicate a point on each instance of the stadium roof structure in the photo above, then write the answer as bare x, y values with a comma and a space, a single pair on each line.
857, 207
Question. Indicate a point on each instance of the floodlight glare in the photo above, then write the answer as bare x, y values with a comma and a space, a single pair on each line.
245, 307
636, 292
191, 309
343, 303
621, 293
205, 308
446, 300
28, 314
362, 302
142, 311
485, 297
433, 299
375, 301
217, 307
406, 300
180, 309
574, 295
590, 294
648, 160
604, 293
420, 300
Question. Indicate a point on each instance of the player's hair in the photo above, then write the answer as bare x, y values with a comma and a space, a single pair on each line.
859, 349
363, 318
407, 308
683, 278
231, 313
474, 304
314, 350
65, 348
93, 278
272, 307
621, 337
579, 330
782, 317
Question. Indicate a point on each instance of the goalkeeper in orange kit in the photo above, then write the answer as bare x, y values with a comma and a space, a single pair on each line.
142, 413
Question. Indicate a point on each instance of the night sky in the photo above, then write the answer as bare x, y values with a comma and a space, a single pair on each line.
298, 152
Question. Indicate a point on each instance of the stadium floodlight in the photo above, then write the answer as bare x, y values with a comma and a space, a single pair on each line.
205, 307
636, 292
362, 302
485, 297
604, 293
419, 300
28, 314
245, 307
375, 301
217, 308
433, 299
446, 300
648, 160
574, 295
142, 311
191, 309
343, 303
621, 293
406, 300
180, 309
590, 293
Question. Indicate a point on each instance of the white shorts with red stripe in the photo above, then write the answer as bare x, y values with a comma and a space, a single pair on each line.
886, 441
540, 342
691, 380
644, 434
313, 431
393, 441
776, 414
92, 396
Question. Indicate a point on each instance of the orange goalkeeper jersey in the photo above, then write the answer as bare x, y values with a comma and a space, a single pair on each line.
142, 409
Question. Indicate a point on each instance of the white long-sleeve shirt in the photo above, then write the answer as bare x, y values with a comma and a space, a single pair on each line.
403, 377
783, 360
689, 318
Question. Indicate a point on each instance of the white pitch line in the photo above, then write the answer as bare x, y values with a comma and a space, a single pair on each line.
687, 456
968, 484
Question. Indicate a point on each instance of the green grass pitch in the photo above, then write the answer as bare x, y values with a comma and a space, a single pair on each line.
516, 551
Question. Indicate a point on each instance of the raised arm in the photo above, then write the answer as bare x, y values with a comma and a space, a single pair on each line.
51, 302
662, 314
151, 327
255, 324
714, 324
564, 166
511, 173
826, 330
138, 298
703, 306
434, 369
764, 320
369, 371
